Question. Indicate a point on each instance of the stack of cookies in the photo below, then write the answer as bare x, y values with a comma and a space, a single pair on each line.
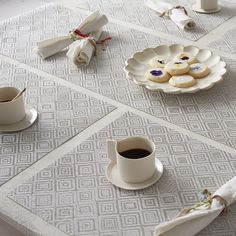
181, 72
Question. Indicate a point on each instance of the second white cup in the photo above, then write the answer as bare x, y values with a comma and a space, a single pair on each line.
207, 4
11, 111
135, 158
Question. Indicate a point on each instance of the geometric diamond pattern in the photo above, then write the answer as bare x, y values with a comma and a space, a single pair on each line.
226, 44
74, 195
209, 113
60, 111
135, 12
42, 23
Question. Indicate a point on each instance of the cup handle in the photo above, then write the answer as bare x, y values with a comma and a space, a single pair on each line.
111, 150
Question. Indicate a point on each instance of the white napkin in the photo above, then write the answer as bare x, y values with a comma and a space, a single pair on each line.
193, 222
81, 51
178, 16
49, 47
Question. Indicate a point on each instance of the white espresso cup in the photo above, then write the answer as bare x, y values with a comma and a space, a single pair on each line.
135, 158
11, 111
207, 4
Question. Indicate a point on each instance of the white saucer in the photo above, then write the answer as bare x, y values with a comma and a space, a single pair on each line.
30, 118
200, 10
113, 176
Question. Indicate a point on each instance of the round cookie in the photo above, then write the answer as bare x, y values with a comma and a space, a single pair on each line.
157, 75
185, 56
198, 70
182, 81
158, 62
177, 67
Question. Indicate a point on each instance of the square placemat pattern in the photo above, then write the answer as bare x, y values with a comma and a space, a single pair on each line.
74, 195
209, 113
63, 113
20, 35
134, 11
226, 43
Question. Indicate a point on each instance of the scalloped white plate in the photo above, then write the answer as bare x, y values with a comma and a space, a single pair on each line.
137, 65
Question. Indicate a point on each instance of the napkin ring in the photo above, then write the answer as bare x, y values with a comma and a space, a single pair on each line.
94, 43
206, 201
168, 12
77, 34
222, 202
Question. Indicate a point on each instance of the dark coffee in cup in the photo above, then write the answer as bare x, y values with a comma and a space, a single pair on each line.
134, 157
135, 153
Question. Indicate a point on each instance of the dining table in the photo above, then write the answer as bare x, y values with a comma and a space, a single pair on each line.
53, 174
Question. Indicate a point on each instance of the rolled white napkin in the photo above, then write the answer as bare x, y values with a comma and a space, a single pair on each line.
81, 51
49, 47
178, 16
93, 22
196, 220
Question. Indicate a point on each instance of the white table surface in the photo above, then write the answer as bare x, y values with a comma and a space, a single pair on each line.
22, 217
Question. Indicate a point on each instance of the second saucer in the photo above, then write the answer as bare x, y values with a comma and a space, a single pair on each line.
30, 118
113, 176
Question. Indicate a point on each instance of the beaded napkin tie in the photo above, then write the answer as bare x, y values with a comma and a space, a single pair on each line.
77, 34
206, 201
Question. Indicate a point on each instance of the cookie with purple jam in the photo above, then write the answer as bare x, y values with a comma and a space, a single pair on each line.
199, 70
187, 57
157, 75
158, 62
